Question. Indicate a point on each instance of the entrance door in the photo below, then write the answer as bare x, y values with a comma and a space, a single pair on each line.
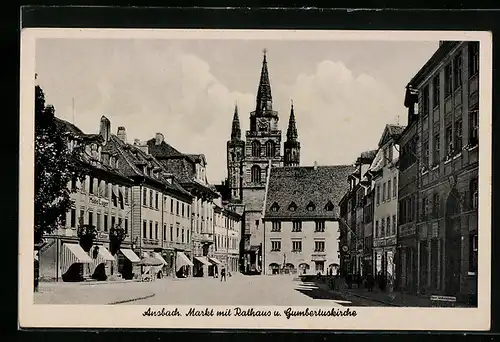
452, 245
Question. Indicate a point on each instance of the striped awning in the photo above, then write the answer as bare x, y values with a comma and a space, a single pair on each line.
182, 260
103, 254
159, 257
215, 261
203, 260
73, 253
130, 255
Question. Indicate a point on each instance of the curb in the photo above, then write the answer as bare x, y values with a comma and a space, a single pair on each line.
131, 300
88, 283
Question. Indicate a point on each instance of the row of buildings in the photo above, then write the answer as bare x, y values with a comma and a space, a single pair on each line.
159, 196
411, 210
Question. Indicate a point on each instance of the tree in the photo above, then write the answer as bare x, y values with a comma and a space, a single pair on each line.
116, 237
55, 167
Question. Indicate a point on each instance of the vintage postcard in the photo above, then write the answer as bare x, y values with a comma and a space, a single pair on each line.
255, 179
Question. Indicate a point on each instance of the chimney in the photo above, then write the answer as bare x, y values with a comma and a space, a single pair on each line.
122, 134
159, 138
105, 128
315, 165
137, 142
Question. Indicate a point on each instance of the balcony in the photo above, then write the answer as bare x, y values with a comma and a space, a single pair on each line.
207, 237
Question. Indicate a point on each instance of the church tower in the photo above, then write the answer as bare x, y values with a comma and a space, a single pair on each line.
292, 145
262, 148
235, 156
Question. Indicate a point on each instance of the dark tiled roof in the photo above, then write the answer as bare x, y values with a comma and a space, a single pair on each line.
303, 185
395, 130
369, 154
162, 150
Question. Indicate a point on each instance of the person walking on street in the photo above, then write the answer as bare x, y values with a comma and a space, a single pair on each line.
223, 273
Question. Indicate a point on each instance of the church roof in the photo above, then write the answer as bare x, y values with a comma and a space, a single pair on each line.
236, 129
264, 97
291, 133
321, 187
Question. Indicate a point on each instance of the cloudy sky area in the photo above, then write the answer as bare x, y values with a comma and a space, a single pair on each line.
343, 92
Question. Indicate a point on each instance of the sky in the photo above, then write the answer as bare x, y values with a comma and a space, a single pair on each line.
344, 92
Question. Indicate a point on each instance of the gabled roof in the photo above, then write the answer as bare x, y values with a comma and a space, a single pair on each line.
390, 132
303, 185
163, 150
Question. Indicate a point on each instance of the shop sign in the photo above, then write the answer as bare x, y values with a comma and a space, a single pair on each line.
98, 201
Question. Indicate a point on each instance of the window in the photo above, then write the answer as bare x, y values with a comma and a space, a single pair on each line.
144, 197
255, 148
329, 206
256, 222
447, 80
319, 246
187, 235
389, 187
311, 206
171, 233
72, 217
436, 142
473, 253
275, 207
297, 226
177, 234
98, 221
383, 192
425, 101
105, 222
73, 183
449, 140
435, 91
425, 148
296, 246
182, 209
389, 232
320, 226
275, 246
473, 58
270, 149
394, 224
151, 198
156, 230
126, 227
255, 174
172, 205
292, 206
474, 126
457, 72
177, 208
113, 221
377, 232
164, 231
378, 194
425, 208
474, 193
435, 205
126, 195
395, 187
320, 266
151, 230
382, 228
182, 235
458, 136
91, 218
156, 200
276, 226
187, 210
91, 185
144, 229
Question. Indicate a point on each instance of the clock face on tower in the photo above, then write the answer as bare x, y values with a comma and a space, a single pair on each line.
262, 124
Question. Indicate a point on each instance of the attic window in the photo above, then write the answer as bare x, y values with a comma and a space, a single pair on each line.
292, 206
329, 206
311, 206
275, 207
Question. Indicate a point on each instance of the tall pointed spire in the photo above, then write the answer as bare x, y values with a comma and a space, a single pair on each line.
236, 130
264, 98
291, 133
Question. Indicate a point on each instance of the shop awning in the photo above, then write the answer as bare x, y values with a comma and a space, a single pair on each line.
105, 254
215, 261
130, 255
203, 260
159, 257
73, 253
182, 260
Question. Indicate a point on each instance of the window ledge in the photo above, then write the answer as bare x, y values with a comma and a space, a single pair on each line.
447, 161
471, 273
433, 168
472, 148
459, 154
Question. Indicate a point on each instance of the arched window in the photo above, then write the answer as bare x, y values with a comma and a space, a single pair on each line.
232, 156
275, 207
256, 148
329, 206
270, 148
474, 200
255, 174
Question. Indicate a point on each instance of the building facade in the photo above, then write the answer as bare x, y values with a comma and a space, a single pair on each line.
301, 225
227, 236
447, 89
248, 166
385, 177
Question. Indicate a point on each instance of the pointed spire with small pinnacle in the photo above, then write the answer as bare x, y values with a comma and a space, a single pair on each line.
291, 133
264, 98
236, 130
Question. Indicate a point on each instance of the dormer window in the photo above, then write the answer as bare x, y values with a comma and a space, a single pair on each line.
311, 206
329, 206
275, 207
292, 206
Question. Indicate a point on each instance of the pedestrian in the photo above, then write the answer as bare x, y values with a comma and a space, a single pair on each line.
223, 273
